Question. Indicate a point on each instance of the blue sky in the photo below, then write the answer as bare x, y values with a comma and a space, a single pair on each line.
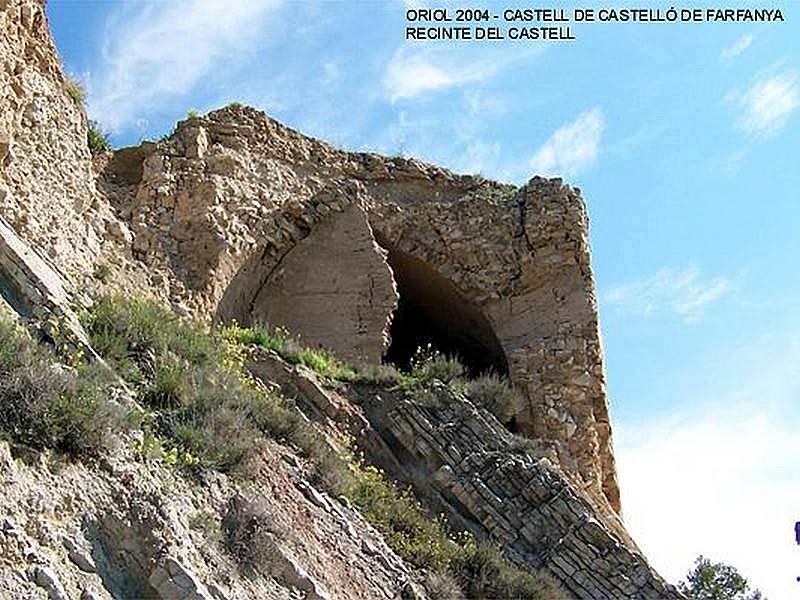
685, 139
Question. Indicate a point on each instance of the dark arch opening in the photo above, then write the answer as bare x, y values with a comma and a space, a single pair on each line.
432, 310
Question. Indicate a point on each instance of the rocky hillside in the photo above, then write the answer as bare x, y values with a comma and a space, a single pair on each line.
426, 414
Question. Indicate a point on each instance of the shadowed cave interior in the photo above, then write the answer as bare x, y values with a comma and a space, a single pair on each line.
431, 310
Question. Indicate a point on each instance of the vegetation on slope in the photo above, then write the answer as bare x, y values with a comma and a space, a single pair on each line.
97, 139
194, 383
202, 410
49, 405
489, 391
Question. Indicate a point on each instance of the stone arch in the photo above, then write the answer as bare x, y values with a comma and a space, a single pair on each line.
339, 287
432, 310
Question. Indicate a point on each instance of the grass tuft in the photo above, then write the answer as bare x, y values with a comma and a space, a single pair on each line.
249, 529
75, 91
495, 394
428, 364
97, 139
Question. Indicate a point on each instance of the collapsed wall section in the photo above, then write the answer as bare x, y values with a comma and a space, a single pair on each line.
333, 288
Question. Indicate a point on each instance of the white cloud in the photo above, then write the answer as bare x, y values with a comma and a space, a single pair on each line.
767, 104
684, 292
412, 72
154, 52
735, 49
722, 480
572, 148
478, 157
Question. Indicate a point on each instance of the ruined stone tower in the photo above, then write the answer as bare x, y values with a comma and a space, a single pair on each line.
236, 217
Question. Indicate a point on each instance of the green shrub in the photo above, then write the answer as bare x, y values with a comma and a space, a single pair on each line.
413, 534
324, 363
201, 406
75, 91
319, 360
442, 585
428, 364
206, 523
493, 393
139, 330
256, 336
378, 375
48, 405
102, 272
97, 139
483, 572
716, 581
192, 113
207, 411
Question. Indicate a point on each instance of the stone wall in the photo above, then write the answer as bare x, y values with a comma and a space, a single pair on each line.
523, 257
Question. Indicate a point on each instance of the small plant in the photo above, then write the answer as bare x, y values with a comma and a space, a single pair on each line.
483, 572
97, 139
319, 360
415, 536
206, 524
428, 364
192, 113
378, 375
443, 586
235, 105
493, 393
249, 529
324, 363
256, 336
102, 272
75, 91
48, 405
